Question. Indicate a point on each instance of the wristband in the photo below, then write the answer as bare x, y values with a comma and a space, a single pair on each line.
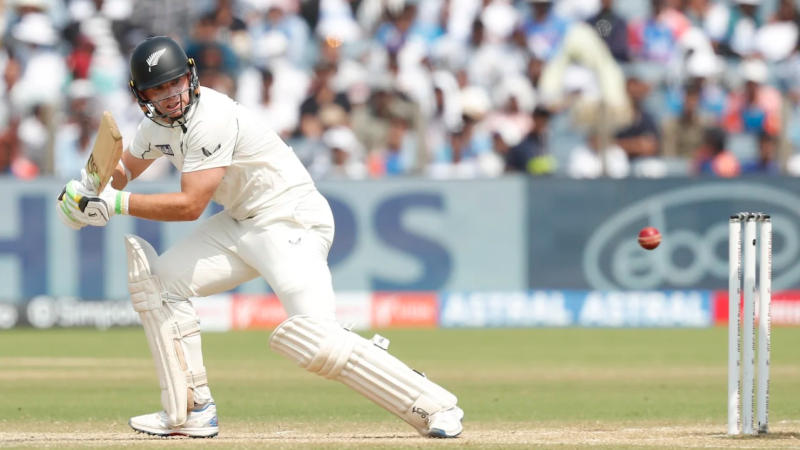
121, 202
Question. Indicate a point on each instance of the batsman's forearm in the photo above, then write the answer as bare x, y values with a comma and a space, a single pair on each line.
174, 206
129, 168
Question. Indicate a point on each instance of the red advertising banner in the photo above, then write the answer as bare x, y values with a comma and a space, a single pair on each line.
256, 311
784, 309
719, 307
404, 309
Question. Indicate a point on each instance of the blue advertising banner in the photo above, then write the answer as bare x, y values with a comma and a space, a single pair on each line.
576, 308
467, 309
583, 235
407, 234
391, 235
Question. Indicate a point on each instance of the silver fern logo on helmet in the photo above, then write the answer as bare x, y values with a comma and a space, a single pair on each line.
152, 60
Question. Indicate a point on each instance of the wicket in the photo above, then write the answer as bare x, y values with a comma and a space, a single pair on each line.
741, 353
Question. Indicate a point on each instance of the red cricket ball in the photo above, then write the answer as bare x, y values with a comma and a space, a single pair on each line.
649, 238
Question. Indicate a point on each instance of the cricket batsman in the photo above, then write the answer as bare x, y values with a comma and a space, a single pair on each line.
275, 224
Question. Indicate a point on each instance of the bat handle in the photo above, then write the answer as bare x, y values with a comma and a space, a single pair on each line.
82, 203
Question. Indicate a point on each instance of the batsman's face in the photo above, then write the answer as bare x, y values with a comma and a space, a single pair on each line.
171, 97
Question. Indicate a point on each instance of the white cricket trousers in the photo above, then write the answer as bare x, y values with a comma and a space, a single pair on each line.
287, 245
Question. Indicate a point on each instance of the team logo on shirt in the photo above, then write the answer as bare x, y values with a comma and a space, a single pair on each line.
209, 153
165, 149
152, 60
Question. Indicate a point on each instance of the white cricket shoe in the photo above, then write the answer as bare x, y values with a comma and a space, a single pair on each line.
201, 422
446, 424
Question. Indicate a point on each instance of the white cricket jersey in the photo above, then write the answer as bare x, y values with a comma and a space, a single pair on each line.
222, 133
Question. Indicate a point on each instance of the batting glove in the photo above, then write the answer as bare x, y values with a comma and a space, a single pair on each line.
89, 184
98, 209
69, 213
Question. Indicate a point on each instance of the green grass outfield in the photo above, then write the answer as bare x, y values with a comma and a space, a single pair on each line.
520, 388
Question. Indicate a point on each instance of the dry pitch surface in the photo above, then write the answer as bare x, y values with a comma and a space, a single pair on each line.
475, 436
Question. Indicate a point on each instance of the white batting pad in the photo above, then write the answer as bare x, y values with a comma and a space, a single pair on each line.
172, 329
325, 348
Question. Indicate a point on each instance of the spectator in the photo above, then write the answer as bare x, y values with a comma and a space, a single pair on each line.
393, 72
591, 160
652, 39
742, 24
754, 107
786, 12
279, 19
344, 158
504, 137
9, 150
532, 155
485, 63
11, 70
276, 111
160, 18
44, 69
640, 138
231, 30
34, 135
217, 63
778, 38
613, 29
393, 33
544, 30
514, 100
713, 159
711, 17
702, 69
321, 94
460, 163
336, 21
493, 57
579, 10
398, 154
431, 22
671, 14
459, 15
372, 123
446, 114
80, 58
75, 137
584, 78
459, 158
16, 10
94, 33
291, 82
683, 135
766, 160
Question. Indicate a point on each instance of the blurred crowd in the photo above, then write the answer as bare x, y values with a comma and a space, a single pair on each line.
436, 88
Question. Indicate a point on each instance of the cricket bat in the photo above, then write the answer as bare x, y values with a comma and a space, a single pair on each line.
106, 152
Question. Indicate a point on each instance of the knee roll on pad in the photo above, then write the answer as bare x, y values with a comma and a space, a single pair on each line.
165, 326
325, 348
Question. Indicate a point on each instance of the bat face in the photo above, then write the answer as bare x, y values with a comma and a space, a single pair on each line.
106, 153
